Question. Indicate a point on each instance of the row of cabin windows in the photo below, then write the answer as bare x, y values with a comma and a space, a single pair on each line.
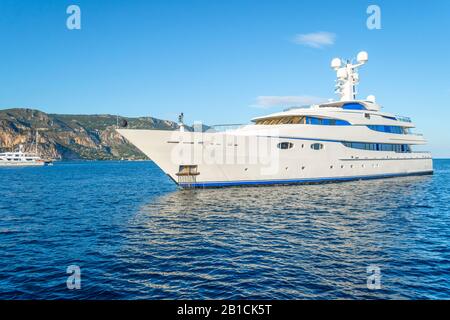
302, 120
401, 148
289, 145
390, 129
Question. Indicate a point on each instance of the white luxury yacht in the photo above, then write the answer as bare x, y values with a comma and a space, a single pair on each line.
343, 140
20, 158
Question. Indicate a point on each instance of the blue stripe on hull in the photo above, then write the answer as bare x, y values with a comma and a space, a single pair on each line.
298, 181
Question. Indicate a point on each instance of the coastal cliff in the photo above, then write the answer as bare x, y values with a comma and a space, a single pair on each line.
72, 137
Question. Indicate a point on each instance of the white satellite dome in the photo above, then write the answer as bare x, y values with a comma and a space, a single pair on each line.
336, 63
371, 98
362, 57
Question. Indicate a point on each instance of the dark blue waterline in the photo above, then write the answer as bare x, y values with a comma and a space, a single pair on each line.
300, 181
386, 159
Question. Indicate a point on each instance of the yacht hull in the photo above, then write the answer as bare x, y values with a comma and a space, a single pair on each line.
224, 159
7, 164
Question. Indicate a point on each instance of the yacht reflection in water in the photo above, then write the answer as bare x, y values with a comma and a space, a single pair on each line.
303, 241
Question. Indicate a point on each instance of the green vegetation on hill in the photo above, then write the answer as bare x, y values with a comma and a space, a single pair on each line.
90, 137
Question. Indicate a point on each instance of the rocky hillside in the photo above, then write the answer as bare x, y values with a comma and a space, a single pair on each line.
70, 137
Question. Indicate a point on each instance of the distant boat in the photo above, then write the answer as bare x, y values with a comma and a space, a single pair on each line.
21, 158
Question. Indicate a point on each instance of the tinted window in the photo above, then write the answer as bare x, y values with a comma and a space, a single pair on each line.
388, 129
378, 146
326, 122
317, 146
285, 145
353, 106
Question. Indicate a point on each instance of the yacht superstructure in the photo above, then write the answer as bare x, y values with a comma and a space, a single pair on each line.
341, 140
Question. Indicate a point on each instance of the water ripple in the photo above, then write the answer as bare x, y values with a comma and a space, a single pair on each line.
135, 236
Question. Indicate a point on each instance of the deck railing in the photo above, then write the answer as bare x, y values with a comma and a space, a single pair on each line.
226, 127
402, 118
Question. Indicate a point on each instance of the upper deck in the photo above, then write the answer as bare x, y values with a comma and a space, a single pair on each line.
348, 120
356, 112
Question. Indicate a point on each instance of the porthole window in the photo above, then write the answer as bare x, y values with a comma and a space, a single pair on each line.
317, 146
285, 145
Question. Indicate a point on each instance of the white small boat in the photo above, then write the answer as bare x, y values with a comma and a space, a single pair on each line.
21, 158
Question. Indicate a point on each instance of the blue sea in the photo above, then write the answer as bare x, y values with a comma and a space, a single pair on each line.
134, 235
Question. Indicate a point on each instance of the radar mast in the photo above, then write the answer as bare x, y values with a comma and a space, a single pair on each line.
347, 76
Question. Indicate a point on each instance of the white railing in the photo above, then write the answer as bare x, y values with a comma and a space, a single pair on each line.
226, 127
402, 118
296, 107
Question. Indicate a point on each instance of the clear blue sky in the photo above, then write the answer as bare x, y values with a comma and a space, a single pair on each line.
212, 59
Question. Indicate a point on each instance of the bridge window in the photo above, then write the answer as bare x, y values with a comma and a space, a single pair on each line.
353, 106
326, 122
281, 120
302, 120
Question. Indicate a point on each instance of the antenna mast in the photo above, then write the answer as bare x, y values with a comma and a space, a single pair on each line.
181, 121
37, 135
347, 76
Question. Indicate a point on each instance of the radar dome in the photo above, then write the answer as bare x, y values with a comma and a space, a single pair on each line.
336, 63
362, 57
371, 98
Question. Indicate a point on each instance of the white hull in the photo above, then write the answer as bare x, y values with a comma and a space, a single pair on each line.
22, 159
22, 164
231, 163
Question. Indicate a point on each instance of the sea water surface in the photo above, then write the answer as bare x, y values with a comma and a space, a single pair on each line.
135, 235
